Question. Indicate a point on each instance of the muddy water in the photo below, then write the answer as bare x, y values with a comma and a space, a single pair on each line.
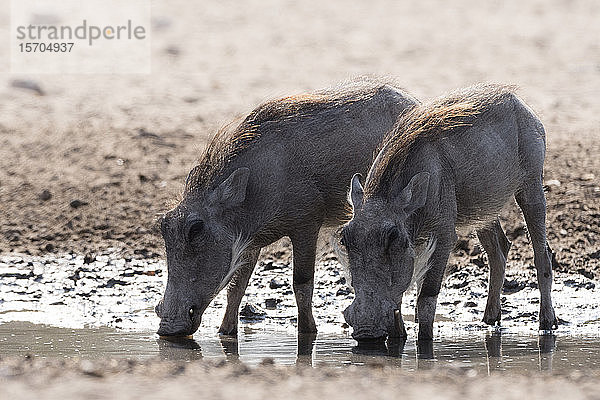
75, 292
70, 306
483, 352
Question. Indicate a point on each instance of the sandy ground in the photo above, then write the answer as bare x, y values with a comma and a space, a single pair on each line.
108, 379
124, 144
88, 165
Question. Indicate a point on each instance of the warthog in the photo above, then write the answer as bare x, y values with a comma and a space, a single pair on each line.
284, 171
451, 163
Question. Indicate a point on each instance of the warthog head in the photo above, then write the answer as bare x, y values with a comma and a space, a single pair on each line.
382, 259
203, 251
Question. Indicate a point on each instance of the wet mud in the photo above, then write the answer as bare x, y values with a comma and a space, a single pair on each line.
108, 291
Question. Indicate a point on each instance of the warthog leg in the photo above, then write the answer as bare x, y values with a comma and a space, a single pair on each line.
532, 202
496, 245
400, 329
430, 288
236, 291
304, 247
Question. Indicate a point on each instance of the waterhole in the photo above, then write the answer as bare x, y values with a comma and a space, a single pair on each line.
483, 352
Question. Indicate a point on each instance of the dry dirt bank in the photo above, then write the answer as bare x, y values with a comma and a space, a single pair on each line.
108, 379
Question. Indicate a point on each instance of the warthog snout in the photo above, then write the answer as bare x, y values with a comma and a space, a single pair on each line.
371, 322
182, 323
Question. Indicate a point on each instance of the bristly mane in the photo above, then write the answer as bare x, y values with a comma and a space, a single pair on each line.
228, 143
430, 121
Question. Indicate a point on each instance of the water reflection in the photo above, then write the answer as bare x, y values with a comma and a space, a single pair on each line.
230, 347
179, 349
493, 346
306, 346
546, 344
485, 352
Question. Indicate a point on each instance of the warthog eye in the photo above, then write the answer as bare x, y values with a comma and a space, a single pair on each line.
195, 230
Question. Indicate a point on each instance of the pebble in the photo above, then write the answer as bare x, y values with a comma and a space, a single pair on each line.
77, 203
270, 304
250, 311
512, 286
269, 265
552, 184
587, 177
277, 283
45, 195
28, 85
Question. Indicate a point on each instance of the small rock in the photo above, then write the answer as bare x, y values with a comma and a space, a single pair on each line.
88, 368
595, 255
269, 265
277, 283
586, 273
77, 203
160, 23
579, 285
250, 311
267, 361
271, 304
45, 195
172, 50
343, 291
459, 284
28, 85
470, 304
552, 184
588, 177
113, 282
143, 133
89, 258
513, 286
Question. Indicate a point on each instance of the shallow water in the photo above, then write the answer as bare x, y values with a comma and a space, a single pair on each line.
483, 352
113, 299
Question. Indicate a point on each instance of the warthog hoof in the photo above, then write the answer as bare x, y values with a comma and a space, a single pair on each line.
548, 320
492, 316
228, 330
549, 325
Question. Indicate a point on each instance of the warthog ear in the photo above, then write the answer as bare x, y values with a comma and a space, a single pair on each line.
356, 192
414, 195
233, 190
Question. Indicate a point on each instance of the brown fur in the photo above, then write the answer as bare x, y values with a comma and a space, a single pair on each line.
228, 143
431, 121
